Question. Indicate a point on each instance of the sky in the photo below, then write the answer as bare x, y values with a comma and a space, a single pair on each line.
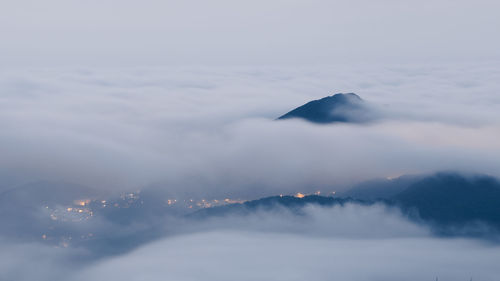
276, 32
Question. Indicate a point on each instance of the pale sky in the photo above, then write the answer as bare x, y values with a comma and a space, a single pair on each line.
221, 32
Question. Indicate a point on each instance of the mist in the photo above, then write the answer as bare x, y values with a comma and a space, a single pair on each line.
201, 132
229, 255
352, 242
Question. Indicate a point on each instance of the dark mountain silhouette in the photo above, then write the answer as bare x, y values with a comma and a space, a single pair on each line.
451, 199
292, 203
380, 188
337, 108
452, 204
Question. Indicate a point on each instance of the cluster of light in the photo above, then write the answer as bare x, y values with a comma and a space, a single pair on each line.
203, 203
300, 195
81, 209
74, 214
82, 203
233, 201
171, 201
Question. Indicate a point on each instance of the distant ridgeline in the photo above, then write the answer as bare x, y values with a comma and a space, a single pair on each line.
346, 108
61, 213
451, 203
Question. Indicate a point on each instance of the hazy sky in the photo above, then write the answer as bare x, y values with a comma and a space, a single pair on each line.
219, 32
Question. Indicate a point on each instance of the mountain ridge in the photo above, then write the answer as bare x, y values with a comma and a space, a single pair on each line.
445, 201
338, 108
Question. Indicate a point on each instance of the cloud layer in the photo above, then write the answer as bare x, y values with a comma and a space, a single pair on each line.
226, 256
211, 131
350, 243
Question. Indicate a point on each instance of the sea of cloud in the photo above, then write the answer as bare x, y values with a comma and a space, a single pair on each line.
211, 131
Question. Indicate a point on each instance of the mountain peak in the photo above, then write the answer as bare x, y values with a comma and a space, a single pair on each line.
345, 96
336, 108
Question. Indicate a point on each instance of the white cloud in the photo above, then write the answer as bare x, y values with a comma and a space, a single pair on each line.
211, 130
244, 256
350, 243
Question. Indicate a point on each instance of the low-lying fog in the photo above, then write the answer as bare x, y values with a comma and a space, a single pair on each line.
350, 243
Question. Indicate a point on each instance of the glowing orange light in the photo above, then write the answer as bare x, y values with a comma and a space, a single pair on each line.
81, 202
299, 195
